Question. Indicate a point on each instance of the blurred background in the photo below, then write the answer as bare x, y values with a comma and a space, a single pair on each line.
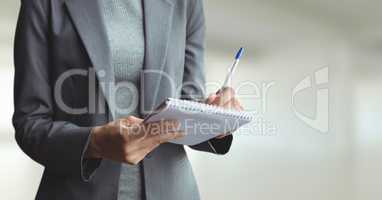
326, 144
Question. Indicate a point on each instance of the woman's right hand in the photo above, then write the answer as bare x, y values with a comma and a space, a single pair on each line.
129, 140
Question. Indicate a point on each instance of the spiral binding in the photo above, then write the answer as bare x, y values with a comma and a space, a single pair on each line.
191, 106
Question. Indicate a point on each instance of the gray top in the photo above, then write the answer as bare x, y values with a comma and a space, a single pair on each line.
124, 25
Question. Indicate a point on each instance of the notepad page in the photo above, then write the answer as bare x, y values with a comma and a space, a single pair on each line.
200, 122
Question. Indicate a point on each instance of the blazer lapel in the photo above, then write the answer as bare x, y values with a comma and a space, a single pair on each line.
158, 21
89, 23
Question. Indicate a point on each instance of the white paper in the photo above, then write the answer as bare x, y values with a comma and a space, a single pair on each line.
199, 126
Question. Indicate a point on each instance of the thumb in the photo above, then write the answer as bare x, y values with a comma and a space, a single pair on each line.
134, 120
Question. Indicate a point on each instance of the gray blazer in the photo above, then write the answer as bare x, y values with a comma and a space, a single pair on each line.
57, 36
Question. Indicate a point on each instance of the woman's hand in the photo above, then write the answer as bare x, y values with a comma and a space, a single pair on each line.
225, 98
129, 140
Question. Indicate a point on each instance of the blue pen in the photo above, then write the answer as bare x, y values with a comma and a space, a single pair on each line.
232, 69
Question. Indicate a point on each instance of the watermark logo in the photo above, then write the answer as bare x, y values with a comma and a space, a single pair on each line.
123, 98
320, 121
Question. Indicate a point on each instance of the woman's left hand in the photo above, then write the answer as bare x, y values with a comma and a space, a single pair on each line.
225, 98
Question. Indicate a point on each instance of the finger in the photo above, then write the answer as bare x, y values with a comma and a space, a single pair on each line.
143, 152
163, 138
148, 148
211, 98
134, 120
129, 130
137, 149
237, 105
229, 89
137, 146
135, 158
233, 104
150, 143
164, 126
214, 101
168, 126
230, 104
225, 96
129, 122
226, 89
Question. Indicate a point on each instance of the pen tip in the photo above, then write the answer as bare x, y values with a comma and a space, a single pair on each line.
239, 53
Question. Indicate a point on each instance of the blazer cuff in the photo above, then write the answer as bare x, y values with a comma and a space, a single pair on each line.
217, 146
221, 146
88, 165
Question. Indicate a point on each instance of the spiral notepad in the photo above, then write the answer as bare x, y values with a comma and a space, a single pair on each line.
200, 122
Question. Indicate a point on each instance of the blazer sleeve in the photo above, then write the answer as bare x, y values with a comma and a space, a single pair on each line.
57, 145
194, 78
